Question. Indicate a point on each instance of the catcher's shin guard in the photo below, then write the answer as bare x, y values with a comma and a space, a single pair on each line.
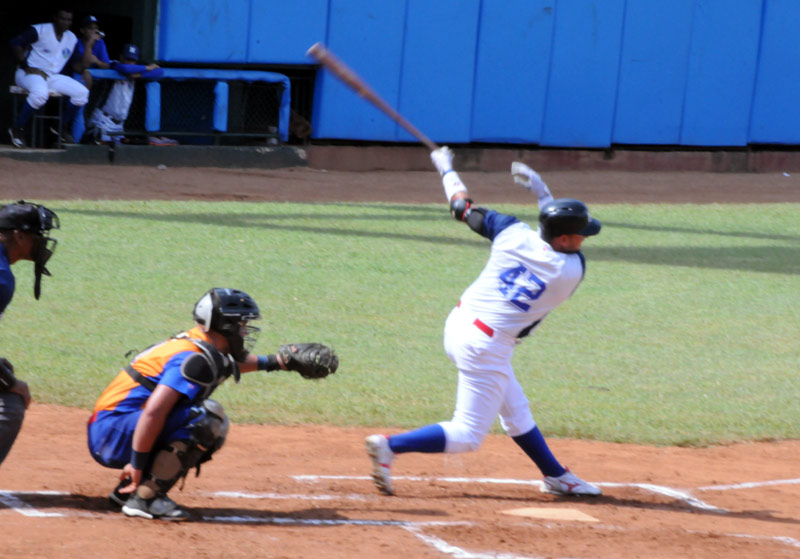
173, 463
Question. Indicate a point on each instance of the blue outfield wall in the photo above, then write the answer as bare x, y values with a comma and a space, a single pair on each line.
562, 73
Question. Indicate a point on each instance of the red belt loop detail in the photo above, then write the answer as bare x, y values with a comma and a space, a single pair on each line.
484, 327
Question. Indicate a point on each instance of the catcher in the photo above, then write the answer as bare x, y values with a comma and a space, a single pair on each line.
156, 420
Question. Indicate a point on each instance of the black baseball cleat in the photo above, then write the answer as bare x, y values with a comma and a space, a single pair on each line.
66, 137
161, 507
118, 498
17, 136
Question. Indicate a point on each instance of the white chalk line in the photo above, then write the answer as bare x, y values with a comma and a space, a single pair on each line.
749, 485
287, 521
285, 496
649, 487
12, 500
779, 539
460, 553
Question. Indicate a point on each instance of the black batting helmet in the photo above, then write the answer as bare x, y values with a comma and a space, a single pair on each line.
566, 216
224, 310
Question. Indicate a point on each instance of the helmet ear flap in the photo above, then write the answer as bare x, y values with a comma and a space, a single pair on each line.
204, 311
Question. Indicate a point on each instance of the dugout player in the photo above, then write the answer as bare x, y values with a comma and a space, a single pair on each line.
24, 235
528, 274
91, 52
42, 51
156, 421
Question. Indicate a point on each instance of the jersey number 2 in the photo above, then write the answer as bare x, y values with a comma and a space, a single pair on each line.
519, 285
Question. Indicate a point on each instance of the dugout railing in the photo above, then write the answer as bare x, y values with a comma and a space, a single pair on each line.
204, 106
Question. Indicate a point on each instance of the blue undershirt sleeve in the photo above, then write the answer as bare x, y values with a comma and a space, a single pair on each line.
173, 378
27, 37
494, 223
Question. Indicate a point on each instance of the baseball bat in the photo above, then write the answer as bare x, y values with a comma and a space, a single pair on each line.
357, 84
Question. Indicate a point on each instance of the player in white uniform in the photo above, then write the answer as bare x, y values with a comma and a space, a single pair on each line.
528, 274
42, 51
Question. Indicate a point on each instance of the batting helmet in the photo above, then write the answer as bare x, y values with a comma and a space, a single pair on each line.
38, 221
566, 216
224, 310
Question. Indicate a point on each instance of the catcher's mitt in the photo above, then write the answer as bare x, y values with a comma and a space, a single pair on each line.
311, 360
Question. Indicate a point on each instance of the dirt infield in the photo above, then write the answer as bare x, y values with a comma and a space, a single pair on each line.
302, 491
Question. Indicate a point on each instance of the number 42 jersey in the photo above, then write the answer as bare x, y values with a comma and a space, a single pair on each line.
523, 280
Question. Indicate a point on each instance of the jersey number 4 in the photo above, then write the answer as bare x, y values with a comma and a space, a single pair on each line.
519, 285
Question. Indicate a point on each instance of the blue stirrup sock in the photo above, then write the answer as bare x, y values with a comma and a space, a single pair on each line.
24, 116
536, 448
430, 438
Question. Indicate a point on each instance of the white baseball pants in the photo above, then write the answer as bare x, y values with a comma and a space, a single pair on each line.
487, 386
39, 88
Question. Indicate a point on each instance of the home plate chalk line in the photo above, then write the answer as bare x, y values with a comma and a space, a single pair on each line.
15, 500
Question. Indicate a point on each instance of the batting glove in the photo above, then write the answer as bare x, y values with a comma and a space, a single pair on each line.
443, 160
529, 179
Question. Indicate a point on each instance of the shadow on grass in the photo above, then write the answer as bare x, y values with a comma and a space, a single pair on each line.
765, 259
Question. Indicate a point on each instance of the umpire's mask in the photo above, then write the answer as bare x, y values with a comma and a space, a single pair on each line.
38, 221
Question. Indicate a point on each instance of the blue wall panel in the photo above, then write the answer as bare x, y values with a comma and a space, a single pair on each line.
722, 70
203, 30
584, 70
281, 32
776, 102
438, 68
513, 61
653, 68
368, 37
566, 73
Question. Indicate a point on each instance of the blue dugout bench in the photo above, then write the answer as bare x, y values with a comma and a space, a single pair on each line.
212, 103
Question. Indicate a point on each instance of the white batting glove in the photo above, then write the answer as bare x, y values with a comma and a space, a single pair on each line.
530, 179
443, 159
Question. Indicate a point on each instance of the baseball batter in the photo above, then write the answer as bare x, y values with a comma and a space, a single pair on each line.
529, 273
42, 51
24, 235
156, 421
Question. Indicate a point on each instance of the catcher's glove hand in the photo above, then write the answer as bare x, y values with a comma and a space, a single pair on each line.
311, 360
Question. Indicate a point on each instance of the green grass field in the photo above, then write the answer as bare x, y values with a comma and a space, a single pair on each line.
685, 330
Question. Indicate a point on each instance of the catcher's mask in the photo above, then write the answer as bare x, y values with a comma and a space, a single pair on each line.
38, 221
227, 312
566, 216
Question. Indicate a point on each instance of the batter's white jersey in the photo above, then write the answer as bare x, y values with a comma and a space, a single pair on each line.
523, 280
48, 53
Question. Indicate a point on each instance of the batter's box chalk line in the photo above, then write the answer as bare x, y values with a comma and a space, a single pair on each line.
678, 494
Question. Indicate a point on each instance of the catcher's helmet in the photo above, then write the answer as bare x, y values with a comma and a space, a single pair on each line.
38, 221
566, 216
224, 310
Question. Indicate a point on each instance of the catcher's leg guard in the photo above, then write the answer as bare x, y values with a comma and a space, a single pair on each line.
209, 429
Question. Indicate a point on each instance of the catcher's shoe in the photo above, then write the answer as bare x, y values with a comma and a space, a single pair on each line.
118, 498
570, 484
161, 507
382, 457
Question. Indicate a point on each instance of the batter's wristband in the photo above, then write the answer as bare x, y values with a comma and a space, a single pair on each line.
139, 460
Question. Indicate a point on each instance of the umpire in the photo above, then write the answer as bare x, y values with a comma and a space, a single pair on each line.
24, 235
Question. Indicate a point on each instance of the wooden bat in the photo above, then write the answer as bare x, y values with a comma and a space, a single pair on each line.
354, 81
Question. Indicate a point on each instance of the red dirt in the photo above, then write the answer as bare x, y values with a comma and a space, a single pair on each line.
343, 517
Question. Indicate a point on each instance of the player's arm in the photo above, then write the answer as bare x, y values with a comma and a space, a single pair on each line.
148, 428
101, 59
19, 46
531, 181
487, 223
260, 363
